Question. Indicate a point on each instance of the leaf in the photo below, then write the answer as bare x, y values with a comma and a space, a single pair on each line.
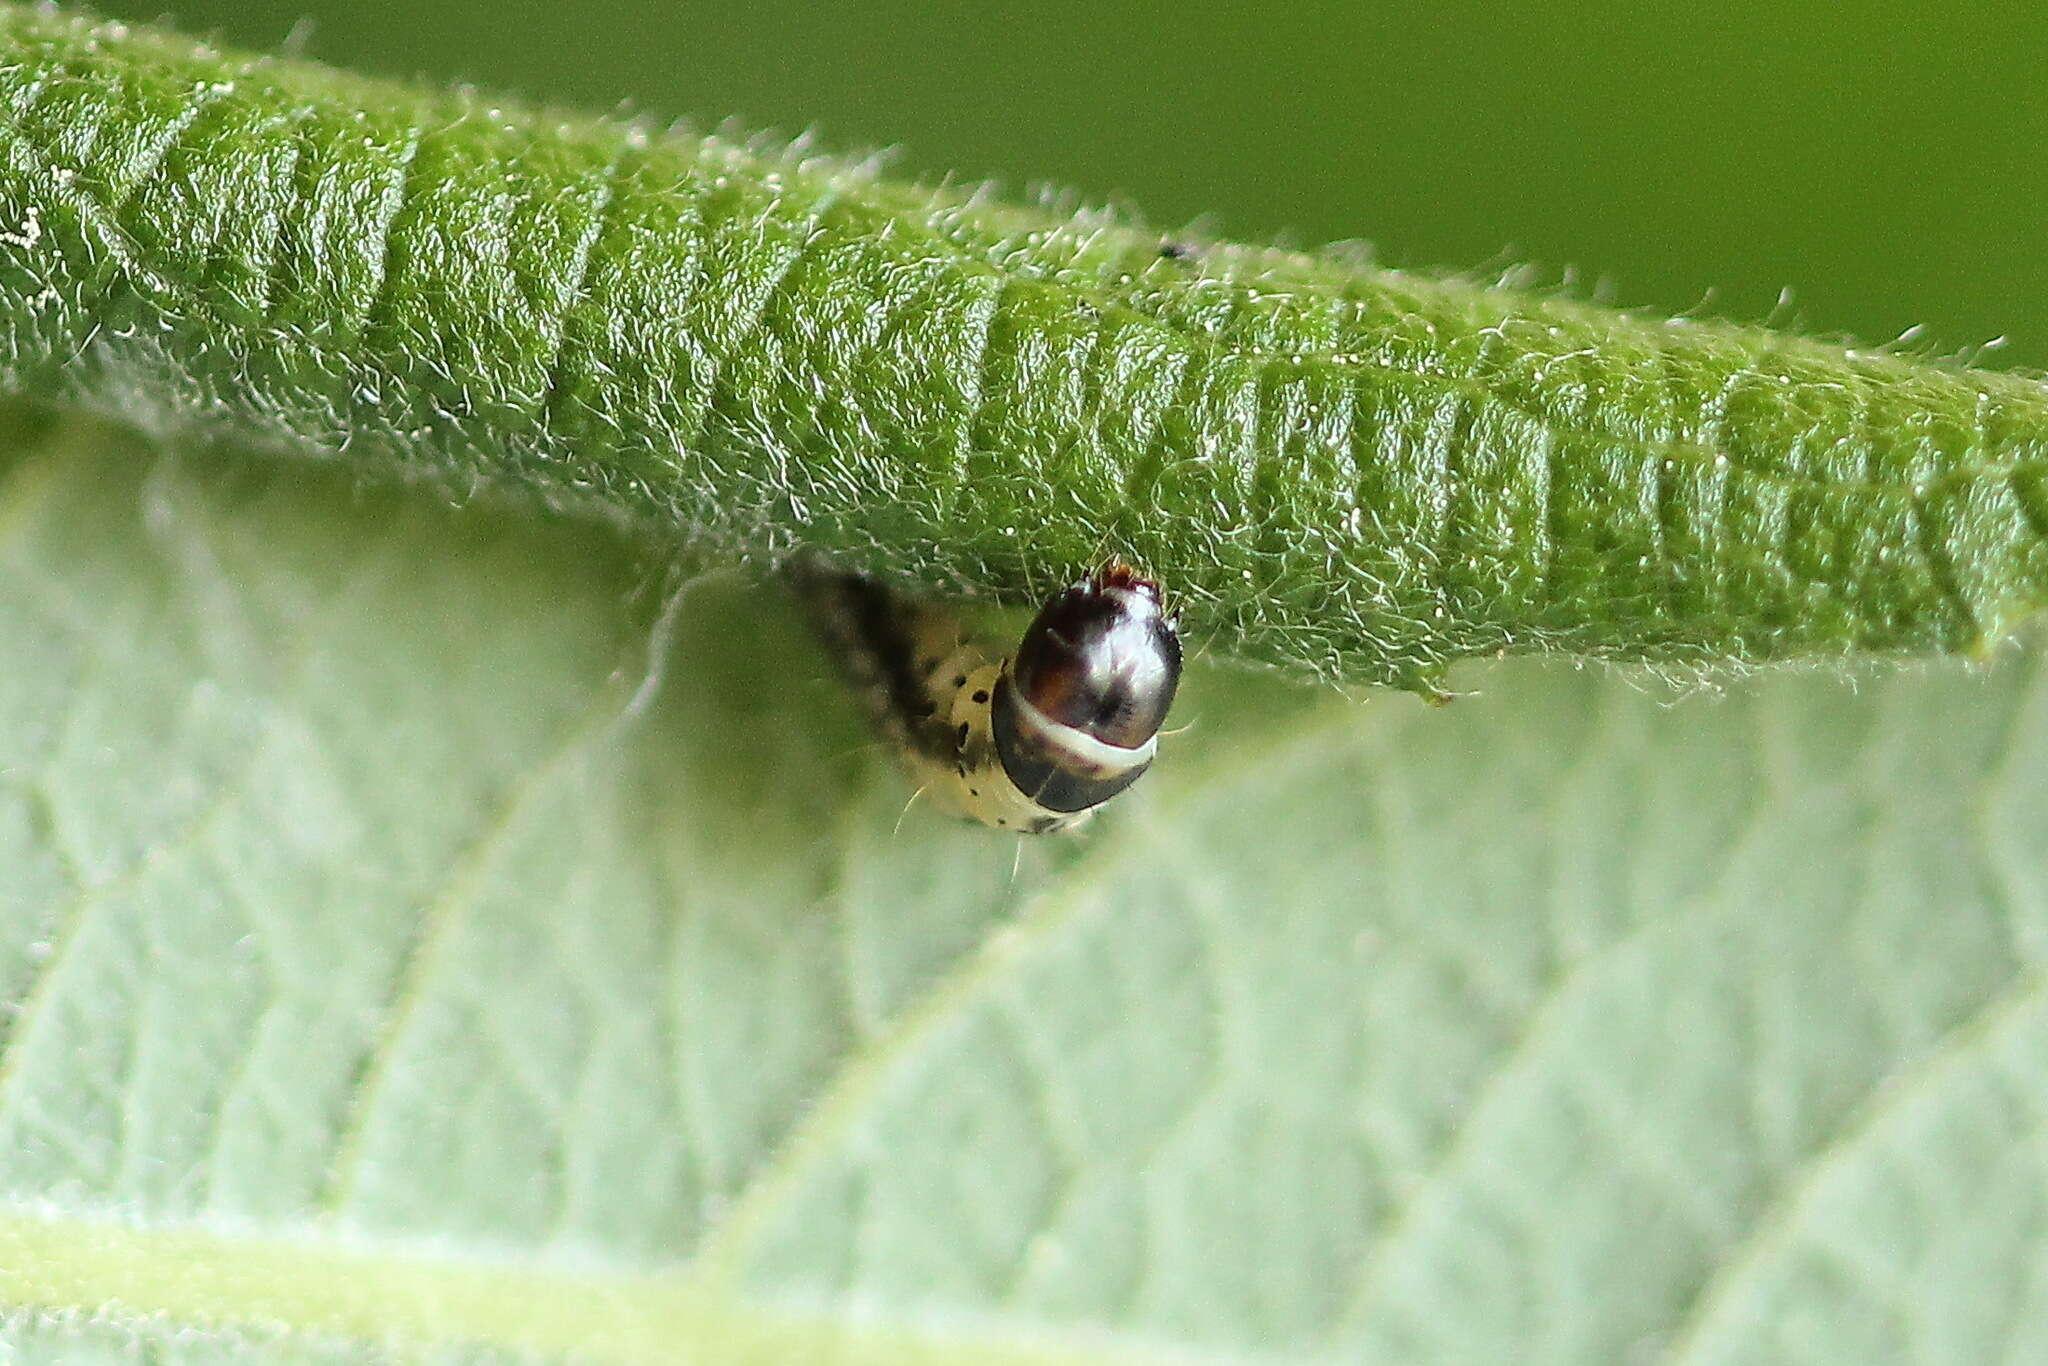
393, 985
1347, 471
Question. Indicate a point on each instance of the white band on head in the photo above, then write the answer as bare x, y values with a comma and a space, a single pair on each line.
1105, 759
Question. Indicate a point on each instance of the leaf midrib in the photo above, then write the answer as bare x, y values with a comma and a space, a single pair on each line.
410, 1299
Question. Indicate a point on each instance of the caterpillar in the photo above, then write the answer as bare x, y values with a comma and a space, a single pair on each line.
1032, 741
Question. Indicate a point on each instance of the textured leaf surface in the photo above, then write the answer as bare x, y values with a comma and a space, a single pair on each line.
389, 982
1345, 470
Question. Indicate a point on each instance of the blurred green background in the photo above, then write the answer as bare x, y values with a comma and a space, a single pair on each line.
1880, 160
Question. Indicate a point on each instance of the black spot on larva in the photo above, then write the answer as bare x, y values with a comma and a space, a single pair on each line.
981, 695
962, 732
974, 792
1176, 251
960, 680
930, 666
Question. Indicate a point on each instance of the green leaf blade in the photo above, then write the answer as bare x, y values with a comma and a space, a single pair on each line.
1346, 470
391, 982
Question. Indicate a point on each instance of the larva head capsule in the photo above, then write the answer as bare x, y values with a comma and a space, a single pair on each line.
1077, 711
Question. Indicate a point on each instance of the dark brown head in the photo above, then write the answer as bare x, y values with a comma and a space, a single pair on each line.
1077, 710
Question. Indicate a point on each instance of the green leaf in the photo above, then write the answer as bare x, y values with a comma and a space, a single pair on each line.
1345, 470
425, 953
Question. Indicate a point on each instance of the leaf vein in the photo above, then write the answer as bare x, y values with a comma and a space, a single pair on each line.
575, 292
432, 931
1778, 1222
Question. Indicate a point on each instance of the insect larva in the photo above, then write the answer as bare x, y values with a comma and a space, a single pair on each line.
1031, 741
